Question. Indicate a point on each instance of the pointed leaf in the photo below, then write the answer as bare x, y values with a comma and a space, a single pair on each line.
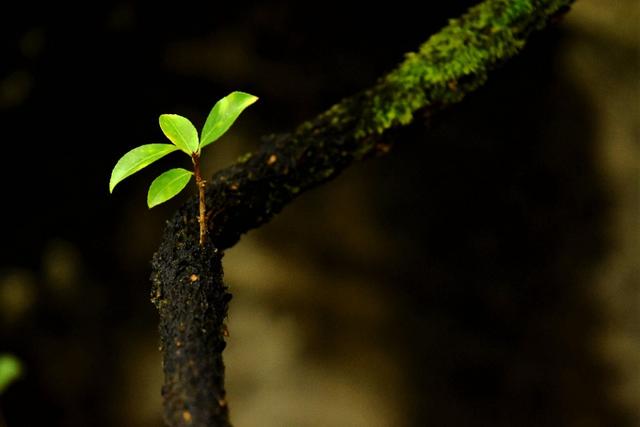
223, 114
137, 159
167, 186
180, 131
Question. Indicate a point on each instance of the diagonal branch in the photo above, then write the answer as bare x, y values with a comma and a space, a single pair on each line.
451, 64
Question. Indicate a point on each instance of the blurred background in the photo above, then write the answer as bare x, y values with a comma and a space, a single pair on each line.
485, 272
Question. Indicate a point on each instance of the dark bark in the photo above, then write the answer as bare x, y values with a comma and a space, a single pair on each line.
449, 65
192, 301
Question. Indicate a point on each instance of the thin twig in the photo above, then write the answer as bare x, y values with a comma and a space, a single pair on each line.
201, 184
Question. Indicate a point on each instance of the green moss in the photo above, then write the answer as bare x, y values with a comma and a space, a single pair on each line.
452, 62
245, 157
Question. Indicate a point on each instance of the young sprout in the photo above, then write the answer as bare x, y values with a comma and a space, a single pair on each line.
184, 137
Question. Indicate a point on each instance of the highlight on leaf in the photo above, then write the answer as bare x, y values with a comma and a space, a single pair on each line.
137, 159
223, 114
167, 186
180, 131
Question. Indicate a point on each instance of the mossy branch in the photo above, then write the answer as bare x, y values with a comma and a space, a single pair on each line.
451, 64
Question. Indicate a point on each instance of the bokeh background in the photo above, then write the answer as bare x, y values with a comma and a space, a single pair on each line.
485, 272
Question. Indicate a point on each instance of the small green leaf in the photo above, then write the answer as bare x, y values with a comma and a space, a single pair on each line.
10, 370
167, 186
137, 159
223, 114
180, 131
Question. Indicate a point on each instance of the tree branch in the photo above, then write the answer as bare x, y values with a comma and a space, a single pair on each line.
451, 64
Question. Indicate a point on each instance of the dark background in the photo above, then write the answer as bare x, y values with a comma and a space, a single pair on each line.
483, 273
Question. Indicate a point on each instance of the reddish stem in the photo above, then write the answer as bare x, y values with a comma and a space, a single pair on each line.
201, 200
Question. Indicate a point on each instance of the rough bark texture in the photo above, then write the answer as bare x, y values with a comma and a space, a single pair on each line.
192, 301
449, 65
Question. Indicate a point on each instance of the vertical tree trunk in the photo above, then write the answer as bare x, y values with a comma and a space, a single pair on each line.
192, 301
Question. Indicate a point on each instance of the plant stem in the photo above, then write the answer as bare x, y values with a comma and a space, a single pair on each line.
201, 198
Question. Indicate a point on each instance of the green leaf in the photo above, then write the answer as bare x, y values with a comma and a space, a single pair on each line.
167, 186
180, 131
223, 114
10, 370
137, 159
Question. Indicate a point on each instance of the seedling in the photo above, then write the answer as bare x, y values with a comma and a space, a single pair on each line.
184, 137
